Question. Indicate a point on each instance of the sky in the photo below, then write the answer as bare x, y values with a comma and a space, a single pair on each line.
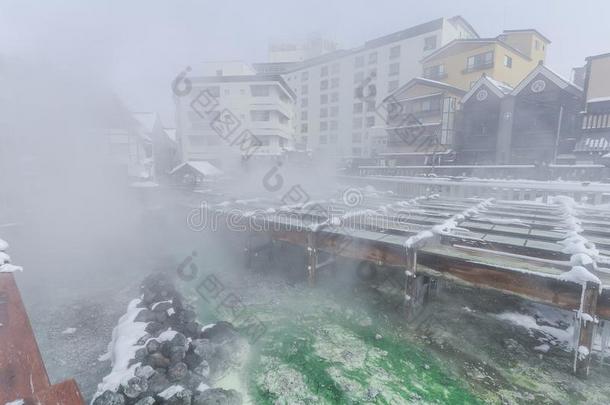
137, 47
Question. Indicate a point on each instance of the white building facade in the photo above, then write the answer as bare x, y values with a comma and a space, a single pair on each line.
338, 94
228, 117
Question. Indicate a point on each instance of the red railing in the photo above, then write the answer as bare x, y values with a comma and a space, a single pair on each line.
22, 371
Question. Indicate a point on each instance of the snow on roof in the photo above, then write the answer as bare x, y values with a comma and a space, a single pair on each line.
171, 133
203, 167
498, 88
598, 99
505, 88
146, 119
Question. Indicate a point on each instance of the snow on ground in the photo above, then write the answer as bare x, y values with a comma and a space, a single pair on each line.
562, 337
122, 348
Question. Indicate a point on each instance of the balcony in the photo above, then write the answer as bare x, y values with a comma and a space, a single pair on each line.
480, 66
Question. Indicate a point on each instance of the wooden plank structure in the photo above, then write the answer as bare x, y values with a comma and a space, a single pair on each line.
459, 187
508, 246
22, 371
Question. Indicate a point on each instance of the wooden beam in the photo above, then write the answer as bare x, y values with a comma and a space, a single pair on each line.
312, 258
586, 326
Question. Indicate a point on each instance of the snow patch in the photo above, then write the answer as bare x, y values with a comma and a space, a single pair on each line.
579, 275
171, 391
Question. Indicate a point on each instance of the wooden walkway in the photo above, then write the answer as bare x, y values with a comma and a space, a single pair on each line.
22, 371
507, 246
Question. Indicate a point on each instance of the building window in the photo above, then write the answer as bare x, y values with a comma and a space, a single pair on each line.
356, 137
303, 102
324, 85
304, 89
260, 115
480, 61
334, 82
323, 125
334, 125
333, 137
373, 73
304, 76
393, 85
260, 91
227, 92
303, 127
393, 69
370, 106
358, 77
395, 52
373, 57
435, 72
334, 97
324, 71
323, 112
359, 61
357, 123
304, 115
323, 139
334, 69
323, 98
508, 61
369, 91
334, 111
429, 43
357, 108
536, 44
356, 151
370, 122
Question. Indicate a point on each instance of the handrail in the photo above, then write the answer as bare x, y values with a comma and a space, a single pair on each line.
22, 371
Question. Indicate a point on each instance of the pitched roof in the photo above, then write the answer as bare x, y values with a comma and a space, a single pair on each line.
426, 82
498, 88
562, 83
203, 167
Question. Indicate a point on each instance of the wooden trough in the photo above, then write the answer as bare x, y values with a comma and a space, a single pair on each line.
512, 247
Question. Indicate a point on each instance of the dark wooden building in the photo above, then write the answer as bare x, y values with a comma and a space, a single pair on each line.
536, 122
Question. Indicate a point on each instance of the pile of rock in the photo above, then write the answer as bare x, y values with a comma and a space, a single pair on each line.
178, 359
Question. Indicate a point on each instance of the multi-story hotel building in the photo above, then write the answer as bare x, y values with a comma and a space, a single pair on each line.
330, 104
338, 94
232, 113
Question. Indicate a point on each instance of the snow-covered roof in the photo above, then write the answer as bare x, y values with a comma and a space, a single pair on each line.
171, 133
498, 88
555, 78
203, 167
425, 82
598, 99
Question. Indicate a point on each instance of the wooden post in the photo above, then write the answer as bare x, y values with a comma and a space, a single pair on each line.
411, 282
586, 326
312, 259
